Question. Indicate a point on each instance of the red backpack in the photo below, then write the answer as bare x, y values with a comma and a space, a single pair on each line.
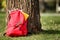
17, 25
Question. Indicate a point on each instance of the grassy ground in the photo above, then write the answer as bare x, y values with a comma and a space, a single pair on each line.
50, 24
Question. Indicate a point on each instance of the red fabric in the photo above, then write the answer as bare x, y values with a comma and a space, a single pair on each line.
16, 16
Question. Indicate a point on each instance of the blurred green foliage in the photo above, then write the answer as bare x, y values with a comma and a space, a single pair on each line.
2, 4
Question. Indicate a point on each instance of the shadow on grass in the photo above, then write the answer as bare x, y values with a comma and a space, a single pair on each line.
50, 32
43, 32
46, 32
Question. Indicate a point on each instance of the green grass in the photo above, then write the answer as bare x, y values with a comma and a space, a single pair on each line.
50, 25
2, 21
50, 22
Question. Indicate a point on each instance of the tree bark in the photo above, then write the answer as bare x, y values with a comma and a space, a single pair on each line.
34, 24
32, 8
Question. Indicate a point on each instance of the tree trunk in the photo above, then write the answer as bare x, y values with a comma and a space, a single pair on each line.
32, 8
34, 24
